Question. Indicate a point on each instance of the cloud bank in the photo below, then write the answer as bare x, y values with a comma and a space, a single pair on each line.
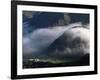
60, 41
74, 42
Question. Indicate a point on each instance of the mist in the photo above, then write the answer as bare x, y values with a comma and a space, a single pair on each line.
70, 40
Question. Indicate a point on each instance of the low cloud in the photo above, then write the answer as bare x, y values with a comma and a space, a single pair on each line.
58, 41
72, 42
